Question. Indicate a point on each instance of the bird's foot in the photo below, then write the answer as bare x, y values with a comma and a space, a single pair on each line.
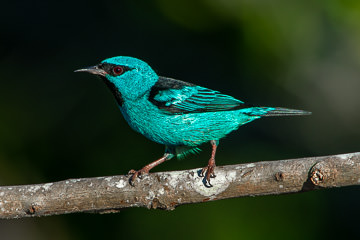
136, 174
145, 170
208, 172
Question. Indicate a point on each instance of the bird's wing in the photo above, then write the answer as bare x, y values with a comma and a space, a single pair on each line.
178, 97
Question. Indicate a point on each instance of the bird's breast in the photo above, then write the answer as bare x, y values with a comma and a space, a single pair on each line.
146, 119
179, 129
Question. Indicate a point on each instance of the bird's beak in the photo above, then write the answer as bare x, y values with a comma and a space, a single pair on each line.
93, 70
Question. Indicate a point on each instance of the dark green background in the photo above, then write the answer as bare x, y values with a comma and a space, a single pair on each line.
55, 124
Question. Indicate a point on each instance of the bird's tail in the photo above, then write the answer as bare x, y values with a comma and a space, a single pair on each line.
272, 112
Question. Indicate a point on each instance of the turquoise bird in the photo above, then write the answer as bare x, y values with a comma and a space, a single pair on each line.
177, 114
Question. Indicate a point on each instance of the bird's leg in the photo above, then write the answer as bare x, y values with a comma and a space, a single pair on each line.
147, 168
209, 169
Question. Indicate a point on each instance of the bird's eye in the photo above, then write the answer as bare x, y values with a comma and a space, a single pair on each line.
118, 70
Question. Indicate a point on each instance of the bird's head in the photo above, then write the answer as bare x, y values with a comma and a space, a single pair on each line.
128, 76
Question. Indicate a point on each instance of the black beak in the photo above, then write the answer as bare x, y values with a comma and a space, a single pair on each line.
93, 70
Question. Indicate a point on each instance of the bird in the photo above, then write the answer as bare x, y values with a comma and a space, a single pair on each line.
175, 113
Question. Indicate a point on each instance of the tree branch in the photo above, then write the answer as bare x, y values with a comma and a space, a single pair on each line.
167, 190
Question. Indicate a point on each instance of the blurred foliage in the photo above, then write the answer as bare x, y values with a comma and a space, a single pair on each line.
55, 124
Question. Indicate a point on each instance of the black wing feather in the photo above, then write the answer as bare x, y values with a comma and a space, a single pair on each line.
178, 97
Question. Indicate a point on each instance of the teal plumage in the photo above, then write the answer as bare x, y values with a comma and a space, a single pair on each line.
178, 114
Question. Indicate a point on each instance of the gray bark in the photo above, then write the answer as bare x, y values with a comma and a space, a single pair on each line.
167, 190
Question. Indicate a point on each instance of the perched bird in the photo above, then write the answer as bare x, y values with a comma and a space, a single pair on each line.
178, 114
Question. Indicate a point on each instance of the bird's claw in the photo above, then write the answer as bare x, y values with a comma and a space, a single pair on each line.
208, 172
136, 174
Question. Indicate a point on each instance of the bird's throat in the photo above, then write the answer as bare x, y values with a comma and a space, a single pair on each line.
115, 91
